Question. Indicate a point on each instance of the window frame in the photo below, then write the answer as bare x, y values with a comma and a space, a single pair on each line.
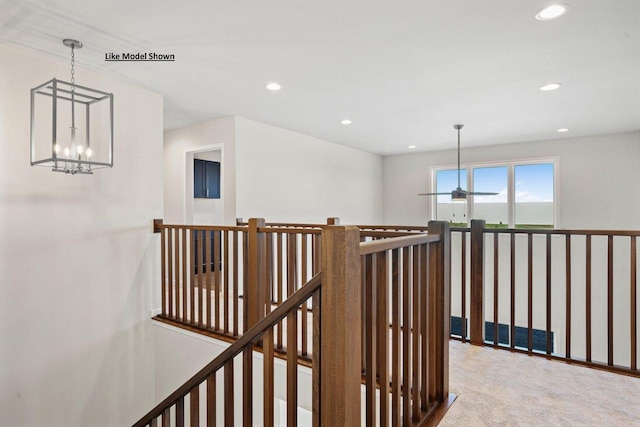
510, 165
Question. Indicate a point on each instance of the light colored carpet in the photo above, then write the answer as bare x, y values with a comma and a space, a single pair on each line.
499, 388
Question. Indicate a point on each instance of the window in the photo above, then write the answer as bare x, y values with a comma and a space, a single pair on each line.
493, 209
524, 199
534, 195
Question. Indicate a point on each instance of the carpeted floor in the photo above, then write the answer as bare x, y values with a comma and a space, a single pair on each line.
499, 388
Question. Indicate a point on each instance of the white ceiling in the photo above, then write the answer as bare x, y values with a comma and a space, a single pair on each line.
403, 72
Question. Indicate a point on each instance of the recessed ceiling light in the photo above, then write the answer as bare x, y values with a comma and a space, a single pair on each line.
550, 86
274, 86
346, 122
552, 12
412, 146
563, 130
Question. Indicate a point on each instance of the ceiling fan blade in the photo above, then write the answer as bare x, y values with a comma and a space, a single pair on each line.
434, 194
480, 193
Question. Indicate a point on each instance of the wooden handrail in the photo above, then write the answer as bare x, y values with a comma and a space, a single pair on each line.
560, 231
397, 242
290, 230
252, 335
157, 226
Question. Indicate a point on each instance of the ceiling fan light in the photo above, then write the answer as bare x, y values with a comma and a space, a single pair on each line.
458, 196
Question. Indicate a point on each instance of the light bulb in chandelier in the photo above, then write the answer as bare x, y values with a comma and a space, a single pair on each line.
56, 148
80, 149
67, 152
89, 152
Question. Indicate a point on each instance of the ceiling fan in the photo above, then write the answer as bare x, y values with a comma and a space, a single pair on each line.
459, 194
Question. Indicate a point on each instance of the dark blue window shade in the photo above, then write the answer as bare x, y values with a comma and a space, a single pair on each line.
206, 179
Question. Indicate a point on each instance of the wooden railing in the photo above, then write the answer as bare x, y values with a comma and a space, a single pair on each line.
183, 405
582, 309
405, 324
202, 276
562, 294
393, 313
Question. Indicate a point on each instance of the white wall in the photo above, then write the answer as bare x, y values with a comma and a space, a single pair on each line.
599, 179
78, 262
176, 143
284, 176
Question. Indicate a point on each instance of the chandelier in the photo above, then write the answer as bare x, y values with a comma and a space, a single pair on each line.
71, 125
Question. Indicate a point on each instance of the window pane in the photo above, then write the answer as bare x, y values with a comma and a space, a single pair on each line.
446, 209
493, 209
534, 195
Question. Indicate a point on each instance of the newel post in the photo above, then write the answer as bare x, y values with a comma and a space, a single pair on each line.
340, 317
333, 220
254, 292
476, 309
439, 309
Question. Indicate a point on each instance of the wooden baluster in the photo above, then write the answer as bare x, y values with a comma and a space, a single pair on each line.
370, 340
610, 300
217, 280
170, 264
548, 294
396, 362
236, 298
568, 295
194, 407
634, 304
415, 355
292, 368
382, 339
207, 268
176, 279
270, 288
425, 298
292, 267
530, 292
512, 326
163, 272
225, 267
192, 272
304, 305
588, 297
316, 358
463, 286
185, 268
279, 286
211, 400
406, 336
247, 386
200, 257
180, 412
228, 393
268, 378
496, 331
166, 418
